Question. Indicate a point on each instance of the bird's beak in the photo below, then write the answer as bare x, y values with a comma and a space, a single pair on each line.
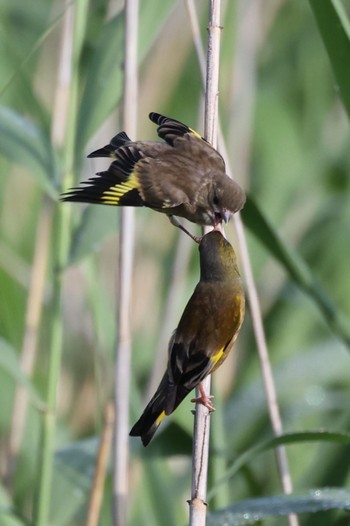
220, 216
226, 215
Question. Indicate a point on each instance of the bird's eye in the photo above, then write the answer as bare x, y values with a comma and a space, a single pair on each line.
216, 200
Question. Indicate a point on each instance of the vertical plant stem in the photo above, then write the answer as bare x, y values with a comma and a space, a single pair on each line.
212, 79
126, 245
269, 384
63, 135
48, 431
200, 454
96, 495
249, 35
38, 274
30, 339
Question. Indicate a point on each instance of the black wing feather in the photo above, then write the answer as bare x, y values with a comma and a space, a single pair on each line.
115, 143
169, 129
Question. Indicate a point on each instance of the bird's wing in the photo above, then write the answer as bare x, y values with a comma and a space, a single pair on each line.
205, 156
167, 182
187, 140
169, 129
109, 150
116, 186
202, 337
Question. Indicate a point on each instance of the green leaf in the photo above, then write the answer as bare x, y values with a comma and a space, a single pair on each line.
10, 364
334, 27
23, 142
8, 518
253, 510
7, 513
255, 220
288, 438
74, 467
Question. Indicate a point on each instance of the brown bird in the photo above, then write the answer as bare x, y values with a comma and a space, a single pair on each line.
183, 176
205, 335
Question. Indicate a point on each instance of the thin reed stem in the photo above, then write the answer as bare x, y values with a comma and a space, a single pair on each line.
63, 135
269, 385
126, 249
265, 364
31, 331
200, 454
96, 495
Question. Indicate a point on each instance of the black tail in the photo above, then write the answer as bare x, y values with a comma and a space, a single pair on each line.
163, 403
152, 416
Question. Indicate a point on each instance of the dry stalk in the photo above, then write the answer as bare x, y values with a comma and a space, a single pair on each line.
96, 495
200, 456
269, 385
126, 247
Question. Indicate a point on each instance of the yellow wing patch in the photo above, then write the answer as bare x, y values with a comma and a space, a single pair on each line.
216, 358
160, 418
113, 195
195, 133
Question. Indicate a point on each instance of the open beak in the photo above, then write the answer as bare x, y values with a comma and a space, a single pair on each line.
221, 216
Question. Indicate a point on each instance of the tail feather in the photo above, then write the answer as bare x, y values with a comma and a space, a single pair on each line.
175, 397
146, 426
152, 416
164, 402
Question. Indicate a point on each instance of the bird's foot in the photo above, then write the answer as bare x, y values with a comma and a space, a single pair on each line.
174, 221
204, 399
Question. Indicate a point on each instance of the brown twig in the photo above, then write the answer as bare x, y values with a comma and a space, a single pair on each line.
96, 494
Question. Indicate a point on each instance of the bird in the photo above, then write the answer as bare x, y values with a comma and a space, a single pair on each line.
206, 333
181, 176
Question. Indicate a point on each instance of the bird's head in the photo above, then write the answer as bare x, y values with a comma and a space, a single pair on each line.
225, 198
217, 258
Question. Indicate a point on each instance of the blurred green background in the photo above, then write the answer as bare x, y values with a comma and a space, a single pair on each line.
287, 136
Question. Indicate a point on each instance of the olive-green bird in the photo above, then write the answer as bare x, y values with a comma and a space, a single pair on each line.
205, 335
183, 176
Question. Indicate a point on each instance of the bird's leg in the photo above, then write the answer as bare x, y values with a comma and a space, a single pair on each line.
204, 399
174, 221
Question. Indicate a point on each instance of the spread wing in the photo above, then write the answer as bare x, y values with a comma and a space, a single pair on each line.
186, 139
119, 185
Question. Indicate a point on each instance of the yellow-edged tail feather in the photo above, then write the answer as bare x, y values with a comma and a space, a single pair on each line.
166, 399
